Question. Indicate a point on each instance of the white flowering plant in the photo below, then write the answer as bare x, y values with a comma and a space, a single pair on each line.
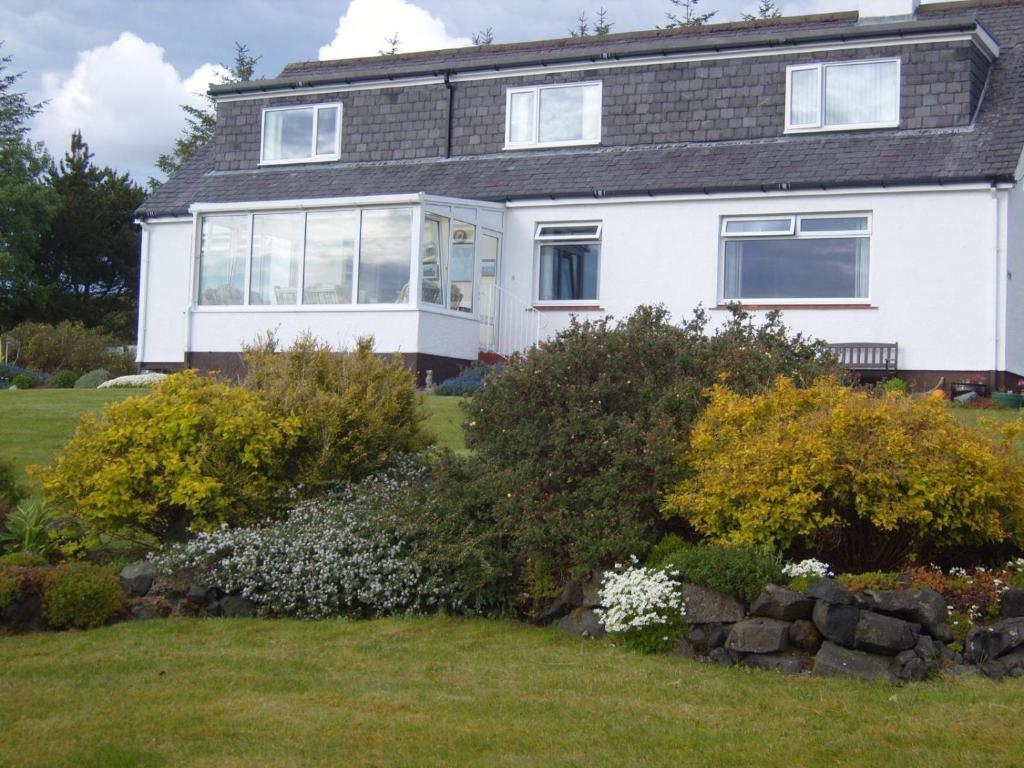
135, 381
644, 607
810, 567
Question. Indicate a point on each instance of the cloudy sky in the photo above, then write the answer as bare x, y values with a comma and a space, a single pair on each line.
119, 69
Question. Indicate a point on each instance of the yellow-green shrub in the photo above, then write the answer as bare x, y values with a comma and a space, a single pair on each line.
194, 451
865, 480
80, 596
355, 410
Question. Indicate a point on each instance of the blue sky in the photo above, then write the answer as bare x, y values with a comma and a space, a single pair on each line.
119, 69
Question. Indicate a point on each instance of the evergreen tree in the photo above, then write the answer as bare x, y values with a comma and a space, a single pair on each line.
583, 29
484, 37
688, 16
766, 10
392, 43
201, 121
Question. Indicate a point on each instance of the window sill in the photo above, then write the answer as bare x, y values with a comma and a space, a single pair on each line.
568, 308
801, 305
301, 161
789, 131
552, 145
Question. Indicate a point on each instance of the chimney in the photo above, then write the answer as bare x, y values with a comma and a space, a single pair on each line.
878, 10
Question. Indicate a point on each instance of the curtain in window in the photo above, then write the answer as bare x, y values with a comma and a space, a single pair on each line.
276, 256
520, 124
433, 260
803, 97
568, 272
861, 93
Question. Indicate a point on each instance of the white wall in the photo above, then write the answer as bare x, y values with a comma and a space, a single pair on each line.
932, 278
164, 291
1014, 330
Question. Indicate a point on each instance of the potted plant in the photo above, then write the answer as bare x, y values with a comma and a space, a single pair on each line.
978, 384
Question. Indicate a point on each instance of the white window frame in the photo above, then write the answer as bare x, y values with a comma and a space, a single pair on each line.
797, 235
540, 240
820, 67
726, 220
313, 156
535, 141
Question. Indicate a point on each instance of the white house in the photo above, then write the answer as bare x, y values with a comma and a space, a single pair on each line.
859, 171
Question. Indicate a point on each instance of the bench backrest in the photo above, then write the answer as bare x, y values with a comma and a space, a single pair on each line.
867, 356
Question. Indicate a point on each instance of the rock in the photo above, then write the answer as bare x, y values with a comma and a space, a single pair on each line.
570, 599
927, 649
786, 662
758, 636
836, 622
1012, 604
829, 591
909, 667
776, 602
706, 606
722, 657
718, 637
886, 635
835, 661
236, 607
684, 649
924, 606
989, 643
137, 578
591, 597
805, 636
583, 622
150, 607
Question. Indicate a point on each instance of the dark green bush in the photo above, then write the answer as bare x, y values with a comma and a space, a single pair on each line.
11, 491
53, 348
739, 571
92, 379
65, 379
22, 559
81, 596
586, 429
23, 381
10, 586
895, 386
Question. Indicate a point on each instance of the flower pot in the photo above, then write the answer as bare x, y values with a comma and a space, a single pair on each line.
1008, 399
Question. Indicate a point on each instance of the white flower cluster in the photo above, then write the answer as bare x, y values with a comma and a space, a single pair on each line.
1017, 566
809, 567
137, 380
634, 598
327, 558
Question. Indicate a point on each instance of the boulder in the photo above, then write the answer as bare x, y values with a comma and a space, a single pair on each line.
909, 667
989, 643
1010, 665
829, 591
835, 661
236, 607
137, 578
706, 606
885, 635
758, 635
1011, 603
776, 602
805, 636
923, 606
583, 622
150, 607
786, 662
591, 590
570, 599
836, 622
722, 657
684, 649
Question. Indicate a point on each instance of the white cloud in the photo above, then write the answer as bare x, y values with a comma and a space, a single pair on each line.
126, 99
365, 26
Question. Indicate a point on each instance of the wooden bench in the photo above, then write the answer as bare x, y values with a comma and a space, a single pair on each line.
867, 356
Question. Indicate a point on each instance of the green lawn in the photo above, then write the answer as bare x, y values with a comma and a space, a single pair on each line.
35, 423
447, 692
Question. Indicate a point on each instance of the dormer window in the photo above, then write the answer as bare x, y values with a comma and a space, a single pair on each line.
553, 116
843, 96
301, 134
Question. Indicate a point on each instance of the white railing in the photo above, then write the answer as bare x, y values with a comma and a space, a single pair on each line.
514, 325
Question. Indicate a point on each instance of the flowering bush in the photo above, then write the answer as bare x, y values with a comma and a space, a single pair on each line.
643, 606
739, 571
808, 568
469, 380
138, 380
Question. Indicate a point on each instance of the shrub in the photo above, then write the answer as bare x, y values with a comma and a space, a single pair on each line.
92, 379
356, 412
27, 529
895, 387
739, 571
68, 345
864, 481
194, 451
858, 582
643, 607
11, 491
974, 593
23, 381
469, 380
22, 559
64, 379
134, 381
81, 596
585, 429
10, 587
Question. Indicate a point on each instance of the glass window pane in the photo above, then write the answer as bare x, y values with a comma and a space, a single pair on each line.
223, 252
433, 259
803, 97
462, 270
835, 224
739, 226
793, 268
568, 230
276, 255
330, 255
520, 121
570, 114
287, 134
327, 131
384, 252
568, 271
861, 93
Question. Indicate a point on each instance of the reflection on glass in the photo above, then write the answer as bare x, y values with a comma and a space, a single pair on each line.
861, 93
815, 268
287, 134
803, 97
330, 254
488, 279
327, 130
223, 252
462, 267
435, 247
568, 271
738, 226
570, 114
520, 124
386, 244
276, 255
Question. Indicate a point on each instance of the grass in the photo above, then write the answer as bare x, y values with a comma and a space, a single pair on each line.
35, 423
437, 691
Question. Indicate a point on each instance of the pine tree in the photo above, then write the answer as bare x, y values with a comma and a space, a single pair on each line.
766, 10
602, 26
688, 16
484, 37
583, 29
392, 43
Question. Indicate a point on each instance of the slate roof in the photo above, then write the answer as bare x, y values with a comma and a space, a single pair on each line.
987, 150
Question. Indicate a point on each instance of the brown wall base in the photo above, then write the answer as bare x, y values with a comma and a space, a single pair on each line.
923, 381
